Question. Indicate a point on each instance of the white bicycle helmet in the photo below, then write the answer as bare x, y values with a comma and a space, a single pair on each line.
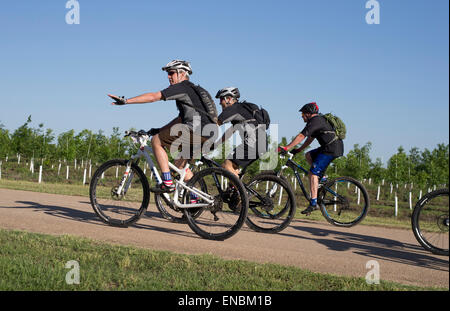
178, 64
229, 91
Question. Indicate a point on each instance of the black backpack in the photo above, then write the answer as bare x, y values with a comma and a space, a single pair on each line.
207, 102
260, 115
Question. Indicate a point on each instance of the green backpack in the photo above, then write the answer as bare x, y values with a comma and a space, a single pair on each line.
337, 124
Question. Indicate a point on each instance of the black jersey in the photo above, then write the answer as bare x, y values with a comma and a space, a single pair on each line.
238, 117
186, 98
315, 128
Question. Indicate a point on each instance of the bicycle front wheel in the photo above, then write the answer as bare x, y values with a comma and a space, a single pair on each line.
119, 196
271, 205
344, 201
430, 222
226, 215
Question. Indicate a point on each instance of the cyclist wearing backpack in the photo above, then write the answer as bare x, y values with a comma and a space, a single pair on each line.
189, 104
248, 119
331, 147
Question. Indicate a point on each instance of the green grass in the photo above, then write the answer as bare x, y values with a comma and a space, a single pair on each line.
31, 261
55, 188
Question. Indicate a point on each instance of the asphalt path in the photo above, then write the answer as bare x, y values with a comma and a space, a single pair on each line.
316, 246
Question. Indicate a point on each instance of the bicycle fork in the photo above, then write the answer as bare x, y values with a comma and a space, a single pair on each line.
125, 183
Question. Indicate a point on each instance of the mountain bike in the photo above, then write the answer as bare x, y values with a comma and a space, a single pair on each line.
343, 201
271, 201
119, 194
430, 222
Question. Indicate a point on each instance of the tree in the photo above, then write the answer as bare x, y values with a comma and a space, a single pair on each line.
398, 166
358, 161
22, 140
377, 171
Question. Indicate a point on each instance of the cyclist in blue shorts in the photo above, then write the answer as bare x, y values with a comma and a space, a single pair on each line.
331, 147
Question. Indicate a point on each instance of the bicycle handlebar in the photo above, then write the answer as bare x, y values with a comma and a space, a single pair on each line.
151, 132
286, 153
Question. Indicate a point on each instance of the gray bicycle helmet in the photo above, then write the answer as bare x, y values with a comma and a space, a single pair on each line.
178, 64
229, 91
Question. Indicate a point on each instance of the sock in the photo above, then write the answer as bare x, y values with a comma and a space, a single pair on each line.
314, 202
167, 178
194, 197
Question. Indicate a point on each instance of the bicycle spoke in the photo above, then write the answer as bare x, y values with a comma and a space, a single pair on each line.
343, 205
225, 215
431, 222
272, 204
118, 197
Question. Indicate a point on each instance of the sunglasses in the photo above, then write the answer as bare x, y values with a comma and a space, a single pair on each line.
170, 73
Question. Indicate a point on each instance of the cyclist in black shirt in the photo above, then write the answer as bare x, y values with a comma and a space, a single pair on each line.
331, 147
243, 121
187, 101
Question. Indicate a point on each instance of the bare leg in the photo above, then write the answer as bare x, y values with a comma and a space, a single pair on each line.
160, 154
313, 185
181, 163
230, 166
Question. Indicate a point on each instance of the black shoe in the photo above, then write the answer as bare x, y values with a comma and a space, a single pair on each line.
163, 188
309, 210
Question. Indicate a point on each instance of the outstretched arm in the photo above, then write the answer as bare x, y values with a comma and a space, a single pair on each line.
141, 99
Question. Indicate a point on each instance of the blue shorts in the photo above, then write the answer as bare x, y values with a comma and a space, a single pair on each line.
320, 162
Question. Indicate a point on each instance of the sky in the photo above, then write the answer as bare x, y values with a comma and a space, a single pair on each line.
389, 82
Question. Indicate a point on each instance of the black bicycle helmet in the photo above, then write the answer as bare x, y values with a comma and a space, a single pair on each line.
229, 91
311, 108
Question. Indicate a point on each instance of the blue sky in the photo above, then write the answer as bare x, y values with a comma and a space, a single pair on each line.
388, 82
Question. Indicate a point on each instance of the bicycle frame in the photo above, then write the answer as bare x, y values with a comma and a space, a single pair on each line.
211, 163
295, 167
144, 151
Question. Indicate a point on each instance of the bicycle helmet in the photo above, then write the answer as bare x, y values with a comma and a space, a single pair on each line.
311, 108
229, 91
178, 64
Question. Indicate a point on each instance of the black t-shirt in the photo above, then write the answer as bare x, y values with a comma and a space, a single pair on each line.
186, 97
238, 115
315, 128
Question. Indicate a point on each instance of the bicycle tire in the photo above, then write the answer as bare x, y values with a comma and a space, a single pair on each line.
345, 201
231, 217
132, 210
267, 217
441, 219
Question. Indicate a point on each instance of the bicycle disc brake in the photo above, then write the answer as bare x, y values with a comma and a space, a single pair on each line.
114, 195
443, 223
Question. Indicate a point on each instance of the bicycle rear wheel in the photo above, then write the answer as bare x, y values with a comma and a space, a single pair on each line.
124, 208
344, 201
222, 219
430, 222
271, 205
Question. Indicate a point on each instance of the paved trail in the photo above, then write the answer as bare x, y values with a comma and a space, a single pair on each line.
315, 246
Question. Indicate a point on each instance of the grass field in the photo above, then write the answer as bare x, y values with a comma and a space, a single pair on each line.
38, 262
